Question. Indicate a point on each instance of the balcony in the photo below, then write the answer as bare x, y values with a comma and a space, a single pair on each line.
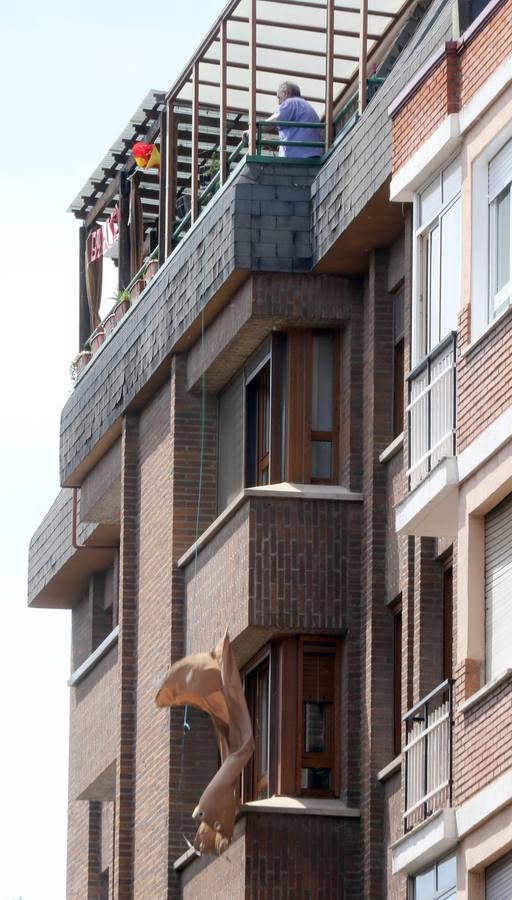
280, 848
431, 411
428, 755
276, 560
430, 509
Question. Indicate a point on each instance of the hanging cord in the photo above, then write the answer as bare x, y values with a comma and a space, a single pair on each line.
202, 428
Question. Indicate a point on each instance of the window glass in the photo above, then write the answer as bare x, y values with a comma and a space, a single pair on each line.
430, 201
451, 179
450, 269
425, 885
437, 882
446, 873
321, 459
501, 261
230, 443
322, 383
434, 266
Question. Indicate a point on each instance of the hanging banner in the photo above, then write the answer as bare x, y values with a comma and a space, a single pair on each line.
103, 237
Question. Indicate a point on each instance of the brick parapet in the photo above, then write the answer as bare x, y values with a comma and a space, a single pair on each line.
482, 742
276, 564
488, 364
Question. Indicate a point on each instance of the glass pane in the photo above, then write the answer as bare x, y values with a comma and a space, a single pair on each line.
230, 471
322, 383
262, 722
315, 779
430, 203
447, 874
321, 459
314, 727
450, 269
502, 258
434, 262
425, 885
451, 181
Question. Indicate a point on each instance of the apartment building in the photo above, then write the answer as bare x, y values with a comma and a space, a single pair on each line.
298, 427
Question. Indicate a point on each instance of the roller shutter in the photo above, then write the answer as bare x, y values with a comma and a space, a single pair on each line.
498, 879
498, 590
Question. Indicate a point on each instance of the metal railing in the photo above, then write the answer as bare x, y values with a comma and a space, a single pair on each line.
431, 410
262, 141
428, 755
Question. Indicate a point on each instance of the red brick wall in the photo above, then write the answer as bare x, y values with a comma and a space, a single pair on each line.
484, 53
450, 84
488, 365
482, 739
431, 102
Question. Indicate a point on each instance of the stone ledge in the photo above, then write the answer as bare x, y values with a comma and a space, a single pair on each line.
94, 657
488, 689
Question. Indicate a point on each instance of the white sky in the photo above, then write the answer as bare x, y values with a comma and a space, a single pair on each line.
70, 79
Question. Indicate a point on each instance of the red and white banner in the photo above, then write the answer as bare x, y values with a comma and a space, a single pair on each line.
103, 238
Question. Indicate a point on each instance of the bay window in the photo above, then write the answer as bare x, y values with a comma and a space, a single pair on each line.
293, 695
278, 418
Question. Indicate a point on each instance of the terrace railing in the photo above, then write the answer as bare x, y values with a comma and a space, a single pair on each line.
431, 411
428, 755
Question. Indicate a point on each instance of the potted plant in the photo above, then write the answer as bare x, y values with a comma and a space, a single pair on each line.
136, 289
79, 363
122, 298
109, 323
150, 270
96, 339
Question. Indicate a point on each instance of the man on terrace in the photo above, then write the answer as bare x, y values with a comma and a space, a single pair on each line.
293, 108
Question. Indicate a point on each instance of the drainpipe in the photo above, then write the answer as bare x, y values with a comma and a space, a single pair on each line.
74, 542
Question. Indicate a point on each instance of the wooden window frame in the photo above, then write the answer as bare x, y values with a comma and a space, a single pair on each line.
252, 784
299, 433
333, 756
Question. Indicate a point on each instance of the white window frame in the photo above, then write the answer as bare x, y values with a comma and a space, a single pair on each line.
420, 318
486, 307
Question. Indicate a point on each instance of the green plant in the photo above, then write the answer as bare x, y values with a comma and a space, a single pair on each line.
120, 295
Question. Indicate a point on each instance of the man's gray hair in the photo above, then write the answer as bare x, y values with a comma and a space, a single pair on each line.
293, 90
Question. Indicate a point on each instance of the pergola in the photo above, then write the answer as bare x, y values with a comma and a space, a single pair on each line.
227, 87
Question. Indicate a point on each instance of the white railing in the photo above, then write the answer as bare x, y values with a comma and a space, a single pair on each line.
428, 755
431, 411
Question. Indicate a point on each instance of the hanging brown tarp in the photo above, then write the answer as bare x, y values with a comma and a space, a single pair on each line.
211, 682
93, 284
136, 229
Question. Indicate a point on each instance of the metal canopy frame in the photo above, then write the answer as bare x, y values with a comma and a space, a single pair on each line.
329, 48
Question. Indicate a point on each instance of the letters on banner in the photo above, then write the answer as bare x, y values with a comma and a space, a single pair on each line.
103, 237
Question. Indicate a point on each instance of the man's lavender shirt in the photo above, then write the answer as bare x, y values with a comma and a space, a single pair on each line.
296, 109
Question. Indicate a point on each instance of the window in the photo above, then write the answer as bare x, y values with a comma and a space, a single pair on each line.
447, 622
293, 696
397, 676
437, 261
278, 418
498, 589
398, 363
491, 233
500, 232
436, 883
498, 879
317, 729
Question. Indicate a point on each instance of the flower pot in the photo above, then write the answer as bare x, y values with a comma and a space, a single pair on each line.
121, 308
136, 289
150, 270
97, 339
82, 359
110, 323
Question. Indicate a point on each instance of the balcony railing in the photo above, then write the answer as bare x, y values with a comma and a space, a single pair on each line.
431, 411
428, 755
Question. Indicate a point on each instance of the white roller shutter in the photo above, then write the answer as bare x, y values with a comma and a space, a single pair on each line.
498, 879
500, 170
498, 590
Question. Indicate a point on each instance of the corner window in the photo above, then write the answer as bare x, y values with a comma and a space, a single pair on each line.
437, 261
278, 418
293, 696
438, 882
